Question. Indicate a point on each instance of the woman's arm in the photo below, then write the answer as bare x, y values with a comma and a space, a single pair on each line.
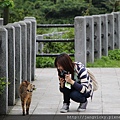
82, 75
61, 80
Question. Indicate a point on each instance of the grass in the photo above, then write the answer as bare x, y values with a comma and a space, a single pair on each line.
112, 60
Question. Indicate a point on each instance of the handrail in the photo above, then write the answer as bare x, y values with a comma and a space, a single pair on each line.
54, 40
54, 25
51, 55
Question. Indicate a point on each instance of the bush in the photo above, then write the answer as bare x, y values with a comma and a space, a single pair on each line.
114, 54
2, 85
112, 60
43, 62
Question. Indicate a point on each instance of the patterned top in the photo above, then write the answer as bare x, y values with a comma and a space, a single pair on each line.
83, 82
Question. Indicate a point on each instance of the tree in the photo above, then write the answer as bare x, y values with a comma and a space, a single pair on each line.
115, 4
55, 1
5, 4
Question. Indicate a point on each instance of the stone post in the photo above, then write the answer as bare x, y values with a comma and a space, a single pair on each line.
80, 39
97, 36
110, 19
24, 49
33, 60
18, 58
104, 35
116, 30
90, 38
11, 64
29, 48
39, 45
4, 68
1, 21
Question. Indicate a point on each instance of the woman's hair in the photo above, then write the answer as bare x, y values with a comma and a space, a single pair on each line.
65, 61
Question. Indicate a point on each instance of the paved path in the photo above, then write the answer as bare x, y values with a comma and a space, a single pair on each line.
48, 100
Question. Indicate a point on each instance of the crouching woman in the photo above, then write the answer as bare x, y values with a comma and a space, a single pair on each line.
75, 82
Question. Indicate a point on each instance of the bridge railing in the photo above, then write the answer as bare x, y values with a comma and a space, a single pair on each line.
95, 35
17, 58
40, 39
40, 44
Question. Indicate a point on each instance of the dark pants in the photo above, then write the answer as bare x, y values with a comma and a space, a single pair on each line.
73, 94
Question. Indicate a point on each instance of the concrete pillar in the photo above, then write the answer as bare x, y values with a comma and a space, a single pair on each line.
116, 30
1, 21
39, 45
24, 49
80, 39
33, 60
97, 36
4, 68
29, 48
90, 38
18, 58
104, 35
110, 19
11, 63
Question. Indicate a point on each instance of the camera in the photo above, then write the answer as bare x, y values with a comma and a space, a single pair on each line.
62, 73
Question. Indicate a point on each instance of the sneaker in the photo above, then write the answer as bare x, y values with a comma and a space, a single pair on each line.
65, 108
82, 107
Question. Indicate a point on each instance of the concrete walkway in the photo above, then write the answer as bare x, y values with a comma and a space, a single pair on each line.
48, 100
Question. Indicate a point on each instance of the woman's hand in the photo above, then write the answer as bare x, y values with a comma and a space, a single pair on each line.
68, 79
61, 82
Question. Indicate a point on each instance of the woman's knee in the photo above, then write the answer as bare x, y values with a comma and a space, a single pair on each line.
77, 97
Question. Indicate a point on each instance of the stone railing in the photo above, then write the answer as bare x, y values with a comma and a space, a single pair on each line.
17, 58
95, 35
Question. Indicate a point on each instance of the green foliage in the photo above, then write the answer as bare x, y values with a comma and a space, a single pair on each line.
112, 60
46, 62
6, 3
60, 47
2, 85
60, 11
42, 62
63, 12
114, 54
55, 47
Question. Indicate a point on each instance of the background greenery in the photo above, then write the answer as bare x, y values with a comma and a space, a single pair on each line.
56, 11
112, 60
61, 12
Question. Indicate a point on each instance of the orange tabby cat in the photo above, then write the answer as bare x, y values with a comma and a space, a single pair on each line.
26, 89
